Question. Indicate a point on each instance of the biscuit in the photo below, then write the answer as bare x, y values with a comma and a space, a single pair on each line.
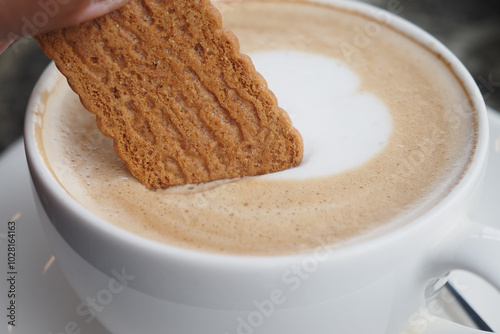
168, 84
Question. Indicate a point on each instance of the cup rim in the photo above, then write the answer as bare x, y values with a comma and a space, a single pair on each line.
464, 186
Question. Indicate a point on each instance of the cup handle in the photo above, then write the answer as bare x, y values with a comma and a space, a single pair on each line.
476, 248
473, 247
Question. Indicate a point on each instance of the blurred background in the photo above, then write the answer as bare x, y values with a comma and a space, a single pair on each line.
471, 29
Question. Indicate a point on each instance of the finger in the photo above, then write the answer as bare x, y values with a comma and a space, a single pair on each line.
98, 8
28, 17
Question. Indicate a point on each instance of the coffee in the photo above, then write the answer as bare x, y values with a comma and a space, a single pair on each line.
388, 131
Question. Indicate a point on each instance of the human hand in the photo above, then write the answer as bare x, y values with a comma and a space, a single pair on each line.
20, 18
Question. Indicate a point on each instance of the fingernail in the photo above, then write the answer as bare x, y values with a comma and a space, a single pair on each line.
98, 8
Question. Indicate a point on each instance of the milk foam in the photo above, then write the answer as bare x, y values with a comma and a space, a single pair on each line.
342, 126
387, 134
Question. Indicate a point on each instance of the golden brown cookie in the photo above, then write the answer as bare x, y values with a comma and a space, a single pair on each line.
171, 88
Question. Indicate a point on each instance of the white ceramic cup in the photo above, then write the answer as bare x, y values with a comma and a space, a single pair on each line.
134, 285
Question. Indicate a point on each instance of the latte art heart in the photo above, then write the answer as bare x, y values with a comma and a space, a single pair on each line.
342, 126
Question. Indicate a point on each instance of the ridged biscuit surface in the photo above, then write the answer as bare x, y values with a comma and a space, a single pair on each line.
171, 88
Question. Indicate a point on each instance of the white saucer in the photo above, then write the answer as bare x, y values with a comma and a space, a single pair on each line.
46, 304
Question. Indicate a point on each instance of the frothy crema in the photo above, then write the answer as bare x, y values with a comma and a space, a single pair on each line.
383, 141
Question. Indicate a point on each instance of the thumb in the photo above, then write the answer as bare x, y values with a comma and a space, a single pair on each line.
98, 8
20, 18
